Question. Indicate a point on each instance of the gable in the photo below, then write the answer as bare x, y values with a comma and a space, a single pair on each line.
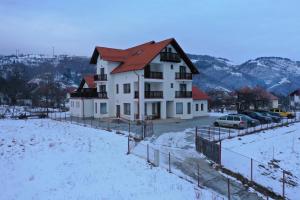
138, 57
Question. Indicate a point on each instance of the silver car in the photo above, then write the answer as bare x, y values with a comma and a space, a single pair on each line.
233, 121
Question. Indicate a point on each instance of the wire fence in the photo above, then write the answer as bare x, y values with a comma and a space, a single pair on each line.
217, 134
139, 130
186, 168
269, 175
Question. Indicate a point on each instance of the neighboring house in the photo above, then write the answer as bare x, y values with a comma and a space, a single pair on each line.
295, 99
255, 98
151, 80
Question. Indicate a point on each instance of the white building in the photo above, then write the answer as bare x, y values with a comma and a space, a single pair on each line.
295, 99
148, 81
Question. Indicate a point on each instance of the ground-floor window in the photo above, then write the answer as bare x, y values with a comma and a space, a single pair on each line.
202, 107
179, 108
189, 108
95, 107
77, 104
197, 107
126, 108
72, 104
103, 108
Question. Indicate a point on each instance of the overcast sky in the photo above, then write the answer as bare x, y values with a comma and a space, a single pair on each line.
235, 29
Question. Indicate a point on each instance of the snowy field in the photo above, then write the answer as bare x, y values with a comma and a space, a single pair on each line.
272, 152
45, 159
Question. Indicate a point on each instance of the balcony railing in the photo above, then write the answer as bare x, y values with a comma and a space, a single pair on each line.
90, 94
180, 75
154, 75
100, 77
150, 94
169, 57
183, 94
153, 94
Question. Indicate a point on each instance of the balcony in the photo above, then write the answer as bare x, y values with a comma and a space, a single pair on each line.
153, 94
183, 94
150, 94
100, 77
169, 57
183, 76
154, 75
89, 94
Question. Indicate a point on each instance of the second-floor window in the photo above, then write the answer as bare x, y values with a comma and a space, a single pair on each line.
101, 70
126, 88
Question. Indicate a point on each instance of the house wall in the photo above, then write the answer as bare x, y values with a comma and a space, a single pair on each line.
81, 107
200, 112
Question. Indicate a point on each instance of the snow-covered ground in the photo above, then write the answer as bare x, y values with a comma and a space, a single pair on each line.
45, 159
272, 151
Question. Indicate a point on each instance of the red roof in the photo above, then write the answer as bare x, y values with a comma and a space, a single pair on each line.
89, 79
136, 58
198, 94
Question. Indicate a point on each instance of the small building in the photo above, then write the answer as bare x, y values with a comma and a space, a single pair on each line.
295, 99
200, 102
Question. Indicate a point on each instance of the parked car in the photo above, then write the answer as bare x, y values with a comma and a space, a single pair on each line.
256, 115
233, 121
283, 113
250, 121
273, 116
22, 116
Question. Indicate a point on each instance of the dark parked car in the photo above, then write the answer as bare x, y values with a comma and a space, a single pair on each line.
274, 116
250, 121
256, 115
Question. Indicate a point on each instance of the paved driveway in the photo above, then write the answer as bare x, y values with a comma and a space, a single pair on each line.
177, 125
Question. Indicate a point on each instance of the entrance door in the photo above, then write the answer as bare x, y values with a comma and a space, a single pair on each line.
182, 87
118, 111
182, 69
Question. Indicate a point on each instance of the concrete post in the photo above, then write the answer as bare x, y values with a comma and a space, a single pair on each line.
141, 97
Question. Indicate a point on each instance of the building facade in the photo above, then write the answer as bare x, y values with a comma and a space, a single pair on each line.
295, 99
148, 81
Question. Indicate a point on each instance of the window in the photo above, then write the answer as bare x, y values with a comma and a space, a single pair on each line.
101, 70
202, 107
171, 66
77, 104
126, 108
182, 69
223, 118
170, 49
230, 118
72, 104
197, 107
102, 88
171, 85
236, 119
95, 107
103, 108
117, 88
189, 108
179, 108
126, 88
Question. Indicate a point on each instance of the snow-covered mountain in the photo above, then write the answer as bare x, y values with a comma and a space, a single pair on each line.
278, 75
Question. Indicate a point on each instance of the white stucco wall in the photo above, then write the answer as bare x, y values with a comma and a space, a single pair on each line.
200, 112
81, 107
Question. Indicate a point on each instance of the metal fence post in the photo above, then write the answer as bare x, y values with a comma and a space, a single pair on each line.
283, 184
129, 127
251, 169
220, 153
147, 152
198, 175
219, 134
169, 162
228, 184
128, 145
